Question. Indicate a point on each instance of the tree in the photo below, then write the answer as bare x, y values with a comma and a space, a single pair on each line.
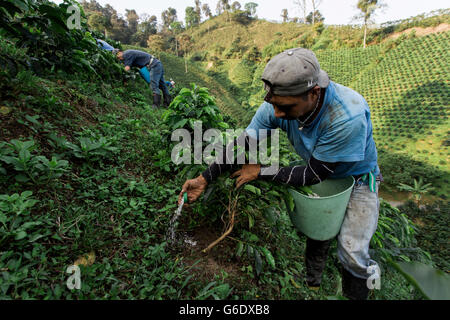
250, 7
168, 17
98, 22
132, 19
185, 45
119, 29
235, 6
315, 5
316, 18
303, 8
367, 8
91, 6
219, 8
417, 190
198, 9
146, 28
206, 11
191, 17
284, 15
176, 28
226, 7
156, 42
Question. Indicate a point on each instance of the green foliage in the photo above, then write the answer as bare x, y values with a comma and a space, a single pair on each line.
16, 224
92, 149
28, 167
395, 236
41, 28
417, 190
432, 225
192, 105
218, 292
433, 284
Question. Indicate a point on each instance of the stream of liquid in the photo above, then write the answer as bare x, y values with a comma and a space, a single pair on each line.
170, 235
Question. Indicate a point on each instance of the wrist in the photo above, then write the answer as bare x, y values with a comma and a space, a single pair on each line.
202, 180
265, 173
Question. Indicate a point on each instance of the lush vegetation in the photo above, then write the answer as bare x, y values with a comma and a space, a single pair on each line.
86, 179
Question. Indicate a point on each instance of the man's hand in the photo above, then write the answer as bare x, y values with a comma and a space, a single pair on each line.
249, 172
127, 68
194, 189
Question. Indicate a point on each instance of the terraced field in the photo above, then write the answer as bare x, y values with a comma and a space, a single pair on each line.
407, 88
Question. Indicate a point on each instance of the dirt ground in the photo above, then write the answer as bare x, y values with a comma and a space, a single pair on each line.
420, 32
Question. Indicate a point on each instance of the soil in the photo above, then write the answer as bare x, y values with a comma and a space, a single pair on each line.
420, 32
213, 262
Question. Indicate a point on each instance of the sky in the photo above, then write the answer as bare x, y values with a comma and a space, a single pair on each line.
334, 11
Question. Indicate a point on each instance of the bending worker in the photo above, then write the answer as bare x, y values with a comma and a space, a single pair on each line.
329, 126
151, 69
104, 45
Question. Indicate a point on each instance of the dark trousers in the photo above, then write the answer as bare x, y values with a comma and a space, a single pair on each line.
157, 79
315, 258
353, 288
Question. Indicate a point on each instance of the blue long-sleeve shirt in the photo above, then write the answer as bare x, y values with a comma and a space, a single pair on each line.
341, 133
136, 58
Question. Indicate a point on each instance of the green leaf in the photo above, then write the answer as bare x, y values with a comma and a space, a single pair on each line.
432, 283
289, 200
252, 189
26, 194
240, 248
36, 237
180, 124
250, 251
270, 215
251, 221
252, 237
258, 262
223, 125
22, 178
20, 235
269, 258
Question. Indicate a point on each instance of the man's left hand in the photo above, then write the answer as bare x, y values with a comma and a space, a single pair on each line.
248, 173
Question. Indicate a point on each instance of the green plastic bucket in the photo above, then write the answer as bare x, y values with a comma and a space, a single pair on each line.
321, 218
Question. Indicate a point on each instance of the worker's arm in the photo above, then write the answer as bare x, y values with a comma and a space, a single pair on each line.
226, 163
313, 173
264, 119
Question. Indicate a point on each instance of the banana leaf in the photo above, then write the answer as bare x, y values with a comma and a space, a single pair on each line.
432, 283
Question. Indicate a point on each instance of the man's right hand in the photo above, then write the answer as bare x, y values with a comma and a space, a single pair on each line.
194, 189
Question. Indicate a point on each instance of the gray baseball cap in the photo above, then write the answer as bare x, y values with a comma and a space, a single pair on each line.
294, 72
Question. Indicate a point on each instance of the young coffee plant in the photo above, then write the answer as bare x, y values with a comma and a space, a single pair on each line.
26, 167
16, 224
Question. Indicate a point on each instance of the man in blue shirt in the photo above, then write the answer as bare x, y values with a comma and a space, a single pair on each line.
104, 45
140, 59
329, 126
